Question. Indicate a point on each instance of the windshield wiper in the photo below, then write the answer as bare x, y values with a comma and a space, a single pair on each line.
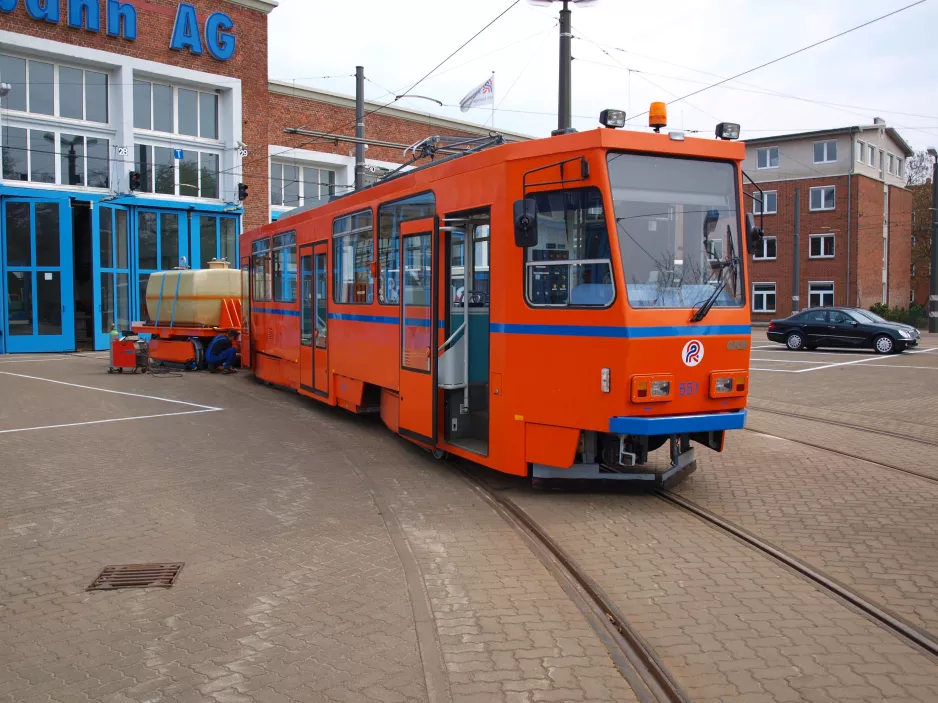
725, 267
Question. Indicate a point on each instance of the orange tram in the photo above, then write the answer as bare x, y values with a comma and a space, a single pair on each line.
557, 308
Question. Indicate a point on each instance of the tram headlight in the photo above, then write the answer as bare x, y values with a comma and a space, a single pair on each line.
723, 384
654, 388
727, 130
660, 389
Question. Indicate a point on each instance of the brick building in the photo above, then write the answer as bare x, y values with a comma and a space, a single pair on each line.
855, 219
176, 92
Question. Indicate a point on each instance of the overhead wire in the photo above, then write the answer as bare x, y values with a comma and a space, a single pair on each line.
790, 54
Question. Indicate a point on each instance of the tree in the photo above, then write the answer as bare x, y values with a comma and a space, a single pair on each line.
918, 168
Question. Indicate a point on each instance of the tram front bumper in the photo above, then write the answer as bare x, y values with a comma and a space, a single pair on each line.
678, 424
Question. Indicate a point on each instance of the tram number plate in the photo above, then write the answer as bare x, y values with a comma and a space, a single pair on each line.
688, 388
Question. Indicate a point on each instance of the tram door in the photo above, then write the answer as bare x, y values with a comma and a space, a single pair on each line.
418, 300
314, 350
246, 360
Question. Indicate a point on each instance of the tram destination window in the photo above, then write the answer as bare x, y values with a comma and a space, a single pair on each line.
284, 270
571, 265
678, 225
353, 256
260, 263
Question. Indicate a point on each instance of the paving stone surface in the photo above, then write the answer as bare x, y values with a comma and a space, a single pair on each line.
730, 624
294, 588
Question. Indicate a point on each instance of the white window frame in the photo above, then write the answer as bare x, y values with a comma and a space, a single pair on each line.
899, 165
762, 295
59, 126
826, 143
150, 134
833, 205
822, 238
822, 293
768, 149
755, 203
765, 241
173, 145
871, 155
301, 183
859, 150
891, 163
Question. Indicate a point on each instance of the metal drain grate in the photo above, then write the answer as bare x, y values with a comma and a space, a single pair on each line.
136, 576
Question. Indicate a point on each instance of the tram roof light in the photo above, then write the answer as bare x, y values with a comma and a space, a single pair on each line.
727, 130
658, 116
612, 118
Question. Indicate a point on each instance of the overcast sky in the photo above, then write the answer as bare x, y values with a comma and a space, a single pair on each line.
628, 54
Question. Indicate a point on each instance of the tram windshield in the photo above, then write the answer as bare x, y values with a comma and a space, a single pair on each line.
678, 228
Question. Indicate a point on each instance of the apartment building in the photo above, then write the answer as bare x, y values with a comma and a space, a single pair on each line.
855, 219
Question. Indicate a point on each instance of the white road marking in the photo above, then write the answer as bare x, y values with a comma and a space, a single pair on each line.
784, 361
118, 419
754, 368
31, 361
107, 390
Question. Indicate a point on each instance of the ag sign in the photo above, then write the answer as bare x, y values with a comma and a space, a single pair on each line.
121, 21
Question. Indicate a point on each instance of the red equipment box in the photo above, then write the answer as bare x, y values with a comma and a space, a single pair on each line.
124, 355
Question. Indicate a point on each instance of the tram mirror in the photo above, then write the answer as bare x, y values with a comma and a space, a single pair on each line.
754, 234
526, 222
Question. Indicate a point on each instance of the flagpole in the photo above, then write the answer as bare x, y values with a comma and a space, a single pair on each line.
493, 100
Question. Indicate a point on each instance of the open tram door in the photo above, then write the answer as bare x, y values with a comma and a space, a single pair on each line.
246, 360
314, 352
418, 300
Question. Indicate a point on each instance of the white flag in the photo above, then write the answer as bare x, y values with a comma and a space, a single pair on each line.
483, 95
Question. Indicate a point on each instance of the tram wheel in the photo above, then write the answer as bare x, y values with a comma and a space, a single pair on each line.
439, 454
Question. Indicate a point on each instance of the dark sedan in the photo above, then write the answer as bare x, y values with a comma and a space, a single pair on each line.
842, 327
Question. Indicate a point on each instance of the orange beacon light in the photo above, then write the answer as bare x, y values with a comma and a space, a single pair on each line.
658, 116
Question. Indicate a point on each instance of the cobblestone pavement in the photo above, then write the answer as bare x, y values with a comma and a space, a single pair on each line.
732, 626
295, 588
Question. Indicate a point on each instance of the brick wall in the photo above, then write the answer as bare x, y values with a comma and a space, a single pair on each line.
866, 243
155, 20
900, 249
288, 111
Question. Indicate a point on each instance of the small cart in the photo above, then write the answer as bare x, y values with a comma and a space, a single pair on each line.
128, 353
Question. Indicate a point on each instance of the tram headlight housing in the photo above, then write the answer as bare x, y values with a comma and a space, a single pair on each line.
652, 389
728, 384
728, 130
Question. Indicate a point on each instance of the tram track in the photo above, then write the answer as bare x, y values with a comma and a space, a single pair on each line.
634, 657
885, 618
848, 425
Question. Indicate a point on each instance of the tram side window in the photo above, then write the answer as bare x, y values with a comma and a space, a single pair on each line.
353, 251
260, 255
571, 265
284, 273
390, 217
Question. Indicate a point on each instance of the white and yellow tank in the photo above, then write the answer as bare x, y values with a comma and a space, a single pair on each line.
193, 298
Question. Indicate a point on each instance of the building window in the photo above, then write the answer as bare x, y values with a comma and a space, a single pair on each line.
260, 264
353, 255
766, 250
821, 246
82, 95
859, 151
284, 267
163, 108
293, 186
771, 203
890, 164
30, 155
823, 198
825, 152
820, 294
763, 297
871, 155
767, 158
899, 170
157, 166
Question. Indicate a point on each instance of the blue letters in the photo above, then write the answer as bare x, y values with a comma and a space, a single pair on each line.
8, 5
79, 10
118, 11
47, 10
221, 43
186, 30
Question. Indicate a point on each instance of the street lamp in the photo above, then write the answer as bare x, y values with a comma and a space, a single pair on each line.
5, 89
933, 280
564, 107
